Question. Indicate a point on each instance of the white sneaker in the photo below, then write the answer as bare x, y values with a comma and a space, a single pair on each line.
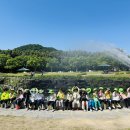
109, 108
100, 108
91, 110
53, 110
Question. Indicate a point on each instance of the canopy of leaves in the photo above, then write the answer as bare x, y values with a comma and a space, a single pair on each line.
36, 58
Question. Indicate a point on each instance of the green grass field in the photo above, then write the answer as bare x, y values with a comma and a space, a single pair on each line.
82, 74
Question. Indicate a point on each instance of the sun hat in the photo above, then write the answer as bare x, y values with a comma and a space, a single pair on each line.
121, 90
75, 88
34, 90
95, 89
40, 91
83, 89
115, 89
101, 88
51, 91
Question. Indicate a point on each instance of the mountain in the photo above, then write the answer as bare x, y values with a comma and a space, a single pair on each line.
34, 47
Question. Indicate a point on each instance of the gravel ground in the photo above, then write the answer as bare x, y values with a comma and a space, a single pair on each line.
75, 120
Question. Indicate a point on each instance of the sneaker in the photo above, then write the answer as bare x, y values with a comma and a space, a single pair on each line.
39, 108
53, 110
109, 108
100, 108
113, 107
91, 110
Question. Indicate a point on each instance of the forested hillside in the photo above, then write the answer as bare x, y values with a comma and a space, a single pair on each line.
37, 58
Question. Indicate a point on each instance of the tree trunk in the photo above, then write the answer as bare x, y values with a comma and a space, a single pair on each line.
51, 69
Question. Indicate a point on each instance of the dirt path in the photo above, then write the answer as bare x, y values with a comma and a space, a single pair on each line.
59, 120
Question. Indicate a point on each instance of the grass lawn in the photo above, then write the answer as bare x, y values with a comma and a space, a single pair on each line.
82, 74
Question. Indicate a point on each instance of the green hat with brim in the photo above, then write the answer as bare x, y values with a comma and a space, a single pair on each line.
34, 90
12, 89
51, 91
69, 90
75, 88
115, 89
108, 89
83, 89
20, 89
88, 90
26, 90
95, 89
121, 90
101, 88
41, 91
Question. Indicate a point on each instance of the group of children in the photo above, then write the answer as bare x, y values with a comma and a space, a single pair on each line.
84, 99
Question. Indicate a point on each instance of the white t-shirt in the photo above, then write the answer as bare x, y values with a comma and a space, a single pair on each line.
52, 97
39, 96
115, 96
20, 96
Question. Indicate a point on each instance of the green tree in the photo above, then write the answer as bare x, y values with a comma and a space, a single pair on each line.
3, 60
52, 63
36, 63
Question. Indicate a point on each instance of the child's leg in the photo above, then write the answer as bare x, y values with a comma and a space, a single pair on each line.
96, 107
87, 105
99, 105
93, 104
53, 104
83, 107
62, 104
78, 104
110, 104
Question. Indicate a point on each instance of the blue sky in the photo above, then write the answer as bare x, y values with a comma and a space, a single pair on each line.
64, 24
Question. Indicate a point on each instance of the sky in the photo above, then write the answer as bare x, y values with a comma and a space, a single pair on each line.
64, 24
